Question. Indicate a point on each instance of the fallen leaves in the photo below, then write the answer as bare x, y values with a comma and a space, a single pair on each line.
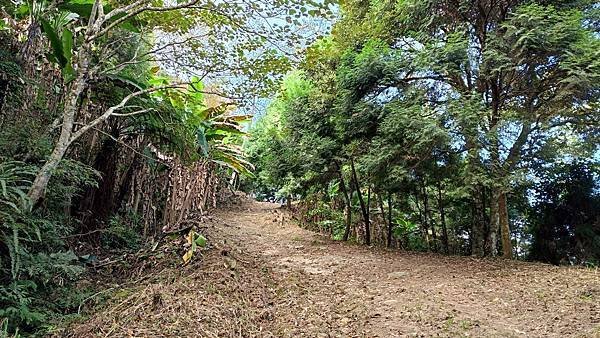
280, 285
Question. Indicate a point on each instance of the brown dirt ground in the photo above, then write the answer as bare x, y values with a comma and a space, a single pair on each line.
266, 277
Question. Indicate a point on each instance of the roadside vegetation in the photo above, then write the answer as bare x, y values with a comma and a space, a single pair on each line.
460, 127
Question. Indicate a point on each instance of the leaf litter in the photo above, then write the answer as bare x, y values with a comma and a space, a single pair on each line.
263, 276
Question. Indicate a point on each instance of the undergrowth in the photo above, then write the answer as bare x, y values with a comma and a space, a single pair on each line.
36, 264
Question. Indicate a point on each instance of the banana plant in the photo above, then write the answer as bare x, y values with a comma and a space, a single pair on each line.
217, 131
223, 132
53, 23
61, 40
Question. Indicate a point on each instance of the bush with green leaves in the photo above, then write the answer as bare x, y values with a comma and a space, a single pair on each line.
408, 233
15, 179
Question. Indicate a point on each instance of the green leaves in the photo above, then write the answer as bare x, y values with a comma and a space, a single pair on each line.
61, 41
58, 55
15, 179
128, 81
83, 8
200, 241
203, 142
212, 132
3, 26
59, 28
230, 158
67, 47
414, 91
194, 240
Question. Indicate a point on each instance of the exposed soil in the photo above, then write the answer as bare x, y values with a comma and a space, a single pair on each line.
266, 277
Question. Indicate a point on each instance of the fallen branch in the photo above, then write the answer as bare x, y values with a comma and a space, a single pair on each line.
84, 234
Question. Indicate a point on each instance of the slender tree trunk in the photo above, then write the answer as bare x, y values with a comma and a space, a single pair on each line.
494, 225
390, 224
233, 182
42, 178
348, 208
478, 225
368, 225
486, 218
382, 227
427, 215
443, 219
363, 208
31, 48
123, 189
424, 227
474, 168
504, 227
4, 86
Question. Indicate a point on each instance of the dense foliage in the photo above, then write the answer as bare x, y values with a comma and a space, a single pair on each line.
465, 127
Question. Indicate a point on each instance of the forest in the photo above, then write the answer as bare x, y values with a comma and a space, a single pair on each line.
470, 131
143, 143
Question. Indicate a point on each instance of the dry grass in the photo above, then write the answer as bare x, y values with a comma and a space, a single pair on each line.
262, 278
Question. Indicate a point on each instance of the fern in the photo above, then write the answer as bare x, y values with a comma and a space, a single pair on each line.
15, 179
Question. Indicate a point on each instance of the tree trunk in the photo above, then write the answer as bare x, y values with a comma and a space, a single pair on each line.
31, 48
494, 225
424, 227
390, 224
382, 227
427, 216
363, 208
474, 168
348, 207
4, 86
478, 225
38, 188
368, 224
443, 219
504, 227
233, 182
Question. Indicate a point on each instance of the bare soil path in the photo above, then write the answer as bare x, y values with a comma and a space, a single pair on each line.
266, 277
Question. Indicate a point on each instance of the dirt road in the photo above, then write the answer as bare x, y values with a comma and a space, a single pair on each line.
266, 277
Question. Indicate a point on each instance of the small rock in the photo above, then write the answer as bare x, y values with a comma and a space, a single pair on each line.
390, 302
397, 274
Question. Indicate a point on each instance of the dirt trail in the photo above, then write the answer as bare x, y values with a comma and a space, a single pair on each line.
266, 277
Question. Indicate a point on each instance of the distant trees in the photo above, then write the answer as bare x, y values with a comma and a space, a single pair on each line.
443, 109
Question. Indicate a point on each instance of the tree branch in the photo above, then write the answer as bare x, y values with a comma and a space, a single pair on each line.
131, 11
111, 111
